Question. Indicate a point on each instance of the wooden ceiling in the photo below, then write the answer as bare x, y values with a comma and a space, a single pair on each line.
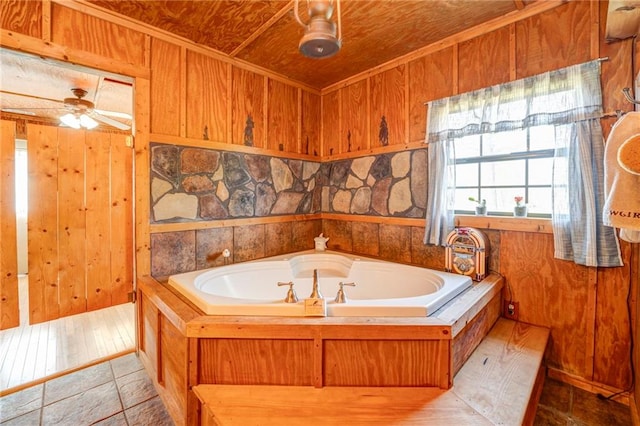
266, 34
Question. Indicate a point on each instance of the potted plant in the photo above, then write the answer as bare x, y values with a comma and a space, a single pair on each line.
481, 206
520, 209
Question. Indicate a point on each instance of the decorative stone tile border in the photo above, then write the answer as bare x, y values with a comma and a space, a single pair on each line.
196, 184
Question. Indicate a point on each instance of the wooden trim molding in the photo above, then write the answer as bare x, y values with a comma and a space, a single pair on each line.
35, 46
506, 223
587, 385
223, 223
483, 222
224, 146
373, 151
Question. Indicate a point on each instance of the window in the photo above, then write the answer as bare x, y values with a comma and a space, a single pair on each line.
21, 179
541, 136
497, 167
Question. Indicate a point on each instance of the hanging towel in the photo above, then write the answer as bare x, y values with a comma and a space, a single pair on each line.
629, 155
621, 187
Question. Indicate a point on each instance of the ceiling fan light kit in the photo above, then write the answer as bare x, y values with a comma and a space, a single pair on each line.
82, 110
76, 122
320, 39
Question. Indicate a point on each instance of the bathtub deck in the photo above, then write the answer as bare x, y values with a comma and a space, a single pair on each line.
499, 384
182, 349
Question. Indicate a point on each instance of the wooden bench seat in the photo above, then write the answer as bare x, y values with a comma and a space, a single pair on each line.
499, 385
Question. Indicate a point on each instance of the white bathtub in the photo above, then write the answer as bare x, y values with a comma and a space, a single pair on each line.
382, 288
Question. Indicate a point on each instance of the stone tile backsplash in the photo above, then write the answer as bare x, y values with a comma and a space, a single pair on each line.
197, 184
191, 184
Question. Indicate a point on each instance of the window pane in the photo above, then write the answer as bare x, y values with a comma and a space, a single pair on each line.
503, 173
468, 146
462, 202
540, 171
540, 200
504, 142
501, 200
541, 137
501, 180
467, 175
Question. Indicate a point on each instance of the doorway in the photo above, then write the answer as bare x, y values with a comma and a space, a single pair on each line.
72, 220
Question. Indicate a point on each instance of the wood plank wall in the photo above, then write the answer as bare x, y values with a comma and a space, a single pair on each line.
9, 316
350, 113
80, 230
586, 308
219, 97
553, 39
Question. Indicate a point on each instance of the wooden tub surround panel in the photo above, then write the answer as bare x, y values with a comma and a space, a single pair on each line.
328, 351
181, 348
163, 346
256, 361
499, 385
387, 363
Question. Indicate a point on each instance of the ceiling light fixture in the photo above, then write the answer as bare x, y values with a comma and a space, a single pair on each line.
77, 121
320, 39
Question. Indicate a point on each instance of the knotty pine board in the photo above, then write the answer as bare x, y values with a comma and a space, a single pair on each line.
248, 96
9, 307
71, 222
42, 224
310, 126
553, 39
23, 17
354, 134
430, 78
98, 221
121, 209
387, 98
484, 60
282, 110
80, 31
331, 130
166, 97
552, 293
206, 100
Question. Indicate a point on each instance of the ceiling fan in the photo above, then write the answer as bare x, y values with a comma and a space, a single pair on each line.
81, 113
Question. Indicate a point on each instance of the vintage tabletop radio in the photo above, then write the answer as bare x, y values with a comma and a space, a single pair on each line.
466, 253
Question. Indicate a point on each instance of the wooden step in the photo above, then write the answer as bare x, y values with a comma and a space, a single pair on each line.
499, 384
503, 378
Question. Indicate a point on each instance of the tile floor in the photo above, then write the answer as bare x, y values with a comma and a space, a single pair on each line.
563, 404
119, 392
116, 392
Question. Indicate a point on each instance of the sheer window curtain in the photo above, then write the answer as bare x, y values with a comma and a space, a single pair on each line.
570, 99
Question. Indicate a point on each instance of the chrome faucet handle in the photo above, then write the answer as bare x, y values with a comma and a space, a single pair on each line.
341, 297
291, 294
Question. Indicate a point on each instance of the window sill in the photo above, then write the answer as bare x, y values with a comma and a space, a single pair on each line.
505, 223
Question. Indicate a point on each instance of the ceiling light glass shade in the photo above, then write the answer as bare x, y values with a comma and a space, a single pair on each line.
70, 120
76, 122
88, 122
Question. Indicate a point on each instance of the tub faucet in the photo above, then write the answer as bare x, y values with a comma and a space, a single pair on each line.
315, 293
341, 297
291, 294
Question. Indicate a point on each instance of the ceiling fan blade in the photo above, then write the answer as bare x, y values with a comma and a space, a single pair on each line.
109, 121
18, 111
114, 114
